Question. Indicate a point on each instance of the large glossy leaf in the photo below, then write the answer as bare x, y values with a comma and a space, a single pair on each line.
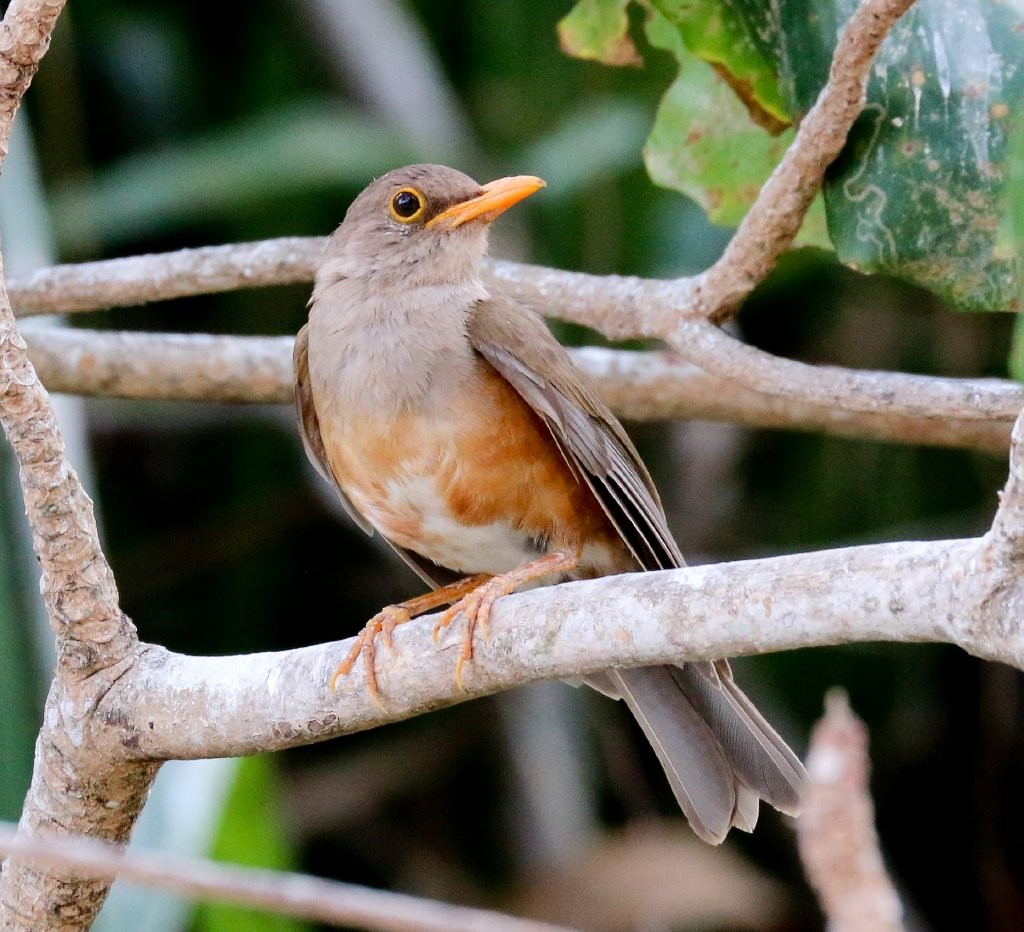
704, 142
919, 189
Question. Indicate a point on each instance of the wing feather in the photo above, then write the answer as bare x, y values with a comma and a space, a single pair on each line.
519, 346
719, 753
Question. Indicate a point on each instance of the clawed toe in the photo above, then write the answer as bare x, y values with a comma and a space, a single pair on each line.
475, 607
382, 626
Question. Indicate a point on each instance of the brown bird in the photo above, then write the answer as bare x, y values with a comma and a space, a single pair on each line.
452, 422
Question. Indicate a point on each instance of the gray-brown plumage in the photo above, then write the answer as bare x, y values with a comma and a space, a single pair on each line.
452, 422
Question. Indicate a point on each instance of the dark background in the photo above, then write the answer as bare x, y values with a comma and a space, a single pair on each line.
162, 125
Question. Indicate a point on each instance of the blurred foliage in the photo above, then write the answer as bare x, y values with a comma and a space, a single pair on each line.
252, 833
158, 131
921, 184
20, 694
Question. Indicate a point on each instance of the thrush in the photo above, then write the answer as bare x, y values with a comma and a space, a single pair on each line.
452, 422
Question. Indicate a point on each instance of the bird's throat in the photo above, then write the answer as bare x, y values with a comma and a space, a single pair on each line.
389, 353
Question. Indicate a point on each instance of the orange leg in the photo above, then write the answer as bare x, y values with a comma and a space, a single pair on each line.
476, 605
388, 618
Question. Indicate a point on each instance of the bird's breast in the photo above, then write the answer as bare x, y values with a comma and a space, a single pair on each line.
474, 484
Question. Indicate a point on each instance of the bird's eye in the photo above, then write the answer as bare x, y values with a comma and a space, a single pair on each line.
407, 205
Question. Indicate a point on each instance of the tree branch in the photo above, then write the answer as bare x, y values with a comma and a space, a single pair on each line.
900, 592
136, 280
774, 220
297, 895
72, 789
641, 386
836, 831
849, 390
955, 592
24, 39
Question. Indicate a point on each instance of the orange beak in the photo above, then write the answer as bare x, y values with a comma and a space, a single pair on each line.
494, 198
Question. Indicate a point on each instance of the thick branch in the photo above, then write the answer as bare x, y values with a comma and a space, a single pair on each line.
905, 592
976, 413
298, 895
24, 39
71, 789
78, 586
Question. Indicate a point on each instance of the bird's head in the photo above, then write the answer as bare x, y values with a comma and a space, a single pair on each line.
426, 224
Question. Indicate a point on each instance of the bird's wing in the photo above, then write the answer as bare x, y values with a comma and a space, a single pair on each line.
719, 753
516, 342
309, 429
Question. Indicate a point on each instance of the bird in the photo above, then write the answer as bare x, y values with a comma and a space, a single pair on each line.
451, 421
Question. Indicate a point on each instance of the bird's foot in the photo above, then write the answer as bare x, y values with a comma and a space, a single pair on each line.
475, 607
384, 623
382, 626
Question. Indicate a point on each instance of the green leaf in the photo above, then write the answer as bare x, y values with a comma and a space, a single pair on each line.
714, 31
920, 193
1011, 232
919, 189
705, 144
251, 833
599, 30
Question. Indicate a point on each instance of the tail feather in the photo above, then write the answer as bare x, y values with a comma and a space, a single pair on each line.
696, 766
758, 755
720, 754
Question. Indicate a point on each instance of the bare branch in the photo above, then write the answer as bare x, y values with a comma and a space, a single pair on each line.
831, 387
299, 895
78, 586
836, 831
24, 39
70, 789
1007, 535
658, 385
976, 414
136, 280
164, 366
903, 592
612, 304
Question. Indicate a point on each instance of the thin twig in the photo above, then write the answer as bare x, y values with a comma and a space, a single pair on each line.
299, 895
137, 280
836, 830
851, 390
774, 219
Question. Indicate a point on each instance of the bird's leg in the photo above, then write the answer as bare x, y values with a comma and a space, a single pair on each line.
385, 621
476, 605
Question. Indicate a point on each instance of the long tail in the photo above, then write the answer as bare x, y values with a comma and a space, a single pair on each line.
720, 754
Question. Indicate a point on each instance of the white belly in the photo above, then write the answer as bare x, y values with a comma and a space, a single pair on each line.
413, 515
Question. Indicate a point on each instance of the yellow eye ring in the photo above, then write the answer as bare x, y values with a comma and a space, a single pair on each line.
407, 205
